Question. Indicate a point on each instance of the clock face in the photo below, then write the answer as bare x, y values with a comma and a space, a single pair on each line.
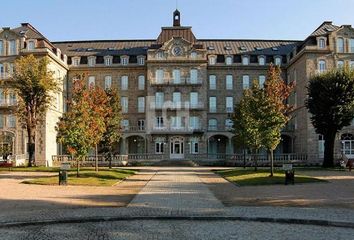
177, 51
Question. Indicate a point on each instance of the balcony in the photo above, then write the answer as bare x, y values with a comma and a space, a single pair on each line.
5, 76
177, 106
174, 130
8, 103
173, 82
219, 128
133, 129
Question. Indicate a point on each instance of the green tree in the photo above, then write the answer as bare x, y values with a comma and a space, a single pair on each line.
34, 85
73, 128
112, 123
331, 104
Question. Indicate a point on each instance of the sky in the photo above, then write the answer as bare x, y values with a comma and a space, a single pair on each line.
61, 20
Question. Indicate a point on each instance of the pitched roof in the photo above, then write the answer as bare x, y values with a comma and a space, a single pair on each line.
324, 29
169, 32
29, 31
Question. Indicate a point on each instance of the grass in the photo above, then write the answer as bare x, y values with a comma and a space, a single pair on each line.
88, 177
248, 177
30, 169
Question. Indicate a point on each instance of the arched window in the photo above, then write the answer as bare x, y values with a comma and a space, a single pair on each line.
245, 60
322, 66
261, 60
321, 43
228, 60
212, 60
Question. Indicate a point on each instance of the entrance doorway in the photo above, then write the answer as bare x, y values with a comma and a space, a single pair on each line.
177, 148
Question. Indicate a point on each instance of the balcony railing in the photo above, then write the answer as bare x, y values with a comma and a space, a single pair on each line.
172, 81
8, 103
177, 105
133, 129
4, 76
219, 128
174, 129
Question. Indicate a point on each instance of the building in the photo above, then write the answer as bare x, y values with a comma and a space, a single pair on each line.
178, 91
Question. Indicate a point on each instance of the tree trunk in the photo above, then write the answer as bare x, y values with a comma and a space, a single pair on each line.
329, 150
271, 158
77, 167
96, 158
31, 135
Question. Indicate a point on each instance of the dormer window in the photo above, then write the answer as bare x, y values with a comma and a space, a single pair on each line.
31, 45
277, 61
322, 43
212, 60
141, 60
108, 60
76, 61
228, 60
261, 60
124, 60
340, 45
245, 60
91, 61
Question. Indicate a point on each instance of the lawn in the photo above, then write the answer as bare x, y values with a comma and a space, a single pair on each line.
30, 169
88, 177
248, 177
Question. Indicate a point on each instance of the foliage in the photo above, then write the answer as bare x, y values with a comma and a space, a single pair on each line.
331, 104
34, 86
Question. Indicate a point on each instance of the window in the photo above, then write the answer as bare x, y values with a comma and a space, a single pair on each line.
12, 98
278, 61
159, 99
321, 43
125, 124
229, 104
160, 55
91, 81
245, 60
91, 61
261, 61
212, 104
141, 124
340, 64
228, 124
245, 82
212, 124
31, 45
108, 61
228, 60
76, 61
176, 122
194, 146
141, 60
352, 64
159, 122
194, 55
340, 45
1, 121
351, 45
2, 71
124, 60
159, 75
141, 82
261, 80
107, 82
124, 103
141, 104
124, 83
12, 47
322, 66
11, 121
229, 82
2, 97
176, 76
321, 142
159, 147
212, 60
176, 98
193, 99
194, 76
1, 47
212, 82
194, 123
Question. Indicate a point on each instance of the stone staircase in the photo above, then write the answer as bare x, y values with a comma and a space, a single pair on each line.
176, 163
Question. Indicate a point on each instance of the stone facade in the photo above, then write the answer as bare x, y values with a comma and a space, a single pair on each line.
178, 91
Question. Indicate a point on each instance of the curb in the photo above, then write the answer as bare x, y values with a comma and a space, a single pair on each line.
181, 218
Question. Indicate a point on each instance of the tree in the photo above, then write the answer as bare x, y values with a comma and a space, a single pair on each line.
277, 114
73, 129
34, 85
112, 123
331, 104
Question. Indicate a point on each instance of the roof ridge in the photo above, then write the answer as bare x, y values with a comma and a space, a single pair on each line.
105, 40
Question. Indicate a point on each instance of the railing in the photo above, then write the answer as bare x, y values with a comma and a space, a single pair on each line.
8, 103
177, 129
145, 156
5, 75
219, 128
177, 105
172, 81
133, 129
103, 160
